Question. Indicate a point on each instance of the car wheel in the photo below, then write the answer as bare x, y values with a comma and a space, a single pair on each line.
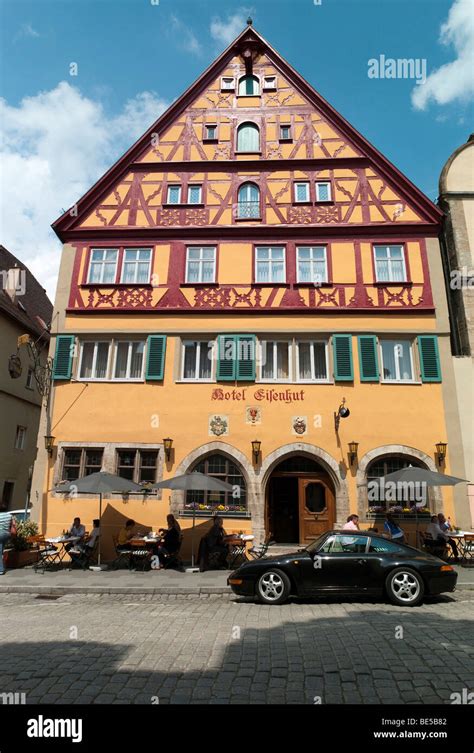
273, 587
405, 587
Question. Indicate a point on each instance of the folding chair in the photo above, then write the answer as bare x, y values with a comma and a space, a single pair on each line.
48, 555
257, 552
83, 557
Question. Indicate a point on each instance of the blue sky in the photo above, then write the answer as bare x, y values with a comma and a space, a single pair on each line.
134, 57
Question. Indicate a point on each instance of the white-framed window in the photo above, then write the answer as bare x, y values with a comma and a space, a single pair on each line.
174, 195
397, 360
275, 360
20, 438
200, 264
311, 264
194, 194
129, 360
248, 137
197, 360
249, 86
248, 201
389, 263
30, 384
136, 265
270, 264
312, 361
210, 132
227, 83
269, 82
323, 190
302, 191
103, 265
285, 132
94, 360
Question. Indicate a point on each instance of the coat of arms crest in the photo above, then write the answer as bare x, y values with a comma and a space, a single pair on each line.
218, 425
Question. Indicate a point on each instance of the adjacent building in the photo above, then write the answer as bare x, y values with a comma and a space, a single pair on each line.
24, 310
248, 268
456, 199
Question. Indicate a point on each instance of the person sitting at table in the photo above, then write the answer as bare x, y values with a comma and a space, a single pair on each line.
125, 534
76, 530
87, 545
438, 538
170, 538
445, 528
213, 546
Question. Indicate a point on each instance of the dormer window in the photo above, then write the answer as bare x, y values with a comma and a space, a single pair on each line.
269, 83
249, 86
227, 83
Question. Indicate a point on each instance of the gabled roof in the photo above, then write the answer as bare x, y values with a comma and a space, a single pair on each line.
32, 303
249, 36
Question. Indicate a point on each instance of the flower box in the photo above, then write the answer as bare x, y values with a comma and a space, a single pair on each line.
210, 512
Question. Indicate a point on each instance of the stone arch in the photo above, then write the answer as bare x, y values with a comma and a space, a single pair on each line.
231, 452
314, 452
392, 449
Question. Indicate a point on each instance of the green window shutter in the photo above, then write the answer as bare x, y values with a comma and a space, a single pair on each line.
246, 356
226, 357
155, 362
63, 356
429, 358
368, 358
342, 351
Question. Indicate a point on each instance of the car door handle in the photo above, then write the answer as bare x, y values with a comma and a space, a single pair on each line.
362, 562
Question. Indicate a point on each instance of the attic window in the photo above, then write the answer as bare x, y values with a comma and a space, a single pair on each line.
227, 83
269, 83
210, 132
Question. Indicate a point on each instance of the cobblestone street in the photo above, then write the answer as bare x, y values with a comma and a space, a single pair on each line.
215, 649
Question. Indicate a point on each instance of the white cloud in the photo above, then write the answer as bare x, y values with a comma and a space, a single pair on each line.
26, 31
185, 38
226, 31
453, 81
56, 144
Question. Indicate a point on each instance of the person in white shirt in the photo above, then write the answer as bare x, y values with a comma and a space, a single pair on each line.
352, 523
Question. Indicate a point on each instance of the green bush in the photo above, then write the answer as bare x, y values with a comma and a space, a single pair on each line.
24, 529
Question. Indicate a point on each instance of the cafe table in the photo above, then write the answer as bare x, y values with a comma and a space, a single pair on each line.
63, 541
237, 544
465, 543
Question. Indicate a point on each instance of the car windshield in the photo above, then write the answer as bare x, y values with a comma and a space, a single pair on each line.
316, 544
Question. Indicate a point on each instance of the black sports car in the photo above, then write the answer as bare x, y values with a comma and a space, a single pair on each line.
346, 562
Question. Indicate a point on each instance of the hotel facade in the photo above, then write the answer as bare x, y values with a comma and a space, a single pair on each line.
248, 267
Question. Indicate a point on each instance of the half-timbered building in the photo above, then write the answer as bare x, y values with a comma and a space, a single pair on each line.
248, 267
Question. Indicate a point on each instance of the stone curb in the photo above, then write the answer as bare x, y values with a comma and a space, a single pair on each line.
163, 590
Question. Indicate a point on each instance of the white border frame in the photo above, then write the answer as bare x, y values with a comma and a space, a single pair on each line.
270, 282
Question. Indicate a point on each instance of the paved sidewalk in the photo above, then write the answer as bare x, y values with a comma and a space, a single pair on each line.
25, 580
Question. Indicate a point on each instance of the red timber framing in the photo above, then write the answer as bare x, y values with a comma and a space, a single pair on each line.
312, 223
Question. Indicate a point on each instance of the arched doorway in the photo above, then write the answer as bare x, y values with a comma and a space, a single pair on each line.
300, 501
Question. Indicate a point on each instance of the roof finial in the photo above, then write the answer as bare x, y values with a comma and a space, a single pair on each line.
249, 21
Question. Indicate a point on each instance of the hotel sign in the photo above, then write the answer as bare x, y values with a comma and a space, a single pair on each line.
268, 395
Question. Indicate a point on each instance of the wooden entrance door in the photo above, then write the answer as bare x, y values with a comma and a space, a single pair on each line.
316, 508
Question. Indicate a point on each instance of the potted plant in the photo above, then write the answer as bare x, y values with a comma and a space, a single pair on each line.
21, 551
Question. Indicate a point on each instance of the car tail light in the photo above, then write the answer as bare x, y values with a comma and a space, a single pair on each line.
446, 568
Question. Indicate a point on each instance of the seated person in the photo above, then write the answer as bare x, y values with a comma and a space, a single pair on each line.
170, 538
445, 527
438, 538
125, 534
87, 545
77, 529
213, 545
